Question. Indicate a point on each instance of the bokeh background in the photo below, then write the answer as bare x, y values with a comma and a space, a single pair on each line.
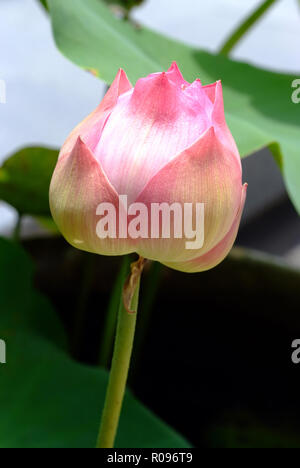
213, 351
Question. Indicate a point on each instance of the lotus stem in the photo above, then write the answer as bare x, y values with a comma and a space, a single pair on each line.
121, 358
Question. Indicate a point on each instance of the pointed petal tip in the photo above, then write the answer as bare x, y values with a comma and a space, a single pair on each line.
195, 85
244, 193
120, 85
122, 75
81, 152
176, 76
121, 72
163, 77
210, 132
152, 82
79, 141
219, 87
173, 66
80, 145
207, 138
214, 90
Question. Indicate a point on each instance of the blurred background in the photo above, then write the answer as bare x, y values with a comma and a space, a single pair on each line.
213, 351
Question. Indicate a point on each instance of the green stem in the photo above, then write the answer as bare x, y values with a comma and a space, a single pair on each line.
121, 360
150, 289
109, 328
235, 37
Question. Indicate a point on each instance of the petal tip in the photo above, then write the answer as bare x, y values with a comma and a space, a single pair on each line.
210, 132
175, 74
121, 73
174, 67
163, 79
79, 144
244, 192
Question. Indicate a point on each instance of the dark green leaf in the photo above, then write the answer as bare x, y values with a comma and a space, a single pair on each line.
21, 306
258, 103
46, 399
25, 178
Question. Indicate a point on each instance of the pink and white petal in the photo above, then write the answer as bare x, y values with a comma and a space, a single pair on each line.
148, 128
78, 186
210, 91
219, 252
175, 75
196, 92
204, 173
90, 129
215, 94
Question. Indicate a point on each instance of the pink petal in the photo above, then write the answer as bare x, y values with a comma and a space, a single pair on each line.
78, 186
215, 94
149, 127
175, 75
204, 173
91, 128
219, 252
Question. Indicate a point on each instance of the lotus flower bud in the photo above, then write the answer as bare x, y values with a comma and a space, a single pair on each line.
153, 170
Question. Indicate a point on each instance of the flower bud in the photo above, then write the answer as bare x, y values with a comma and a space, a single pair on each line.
153, 170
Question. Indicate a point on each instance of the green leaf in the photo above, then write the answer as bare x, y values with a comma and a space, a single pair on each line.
46, 399
25, 178
258, 103
49, 401
22, 307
